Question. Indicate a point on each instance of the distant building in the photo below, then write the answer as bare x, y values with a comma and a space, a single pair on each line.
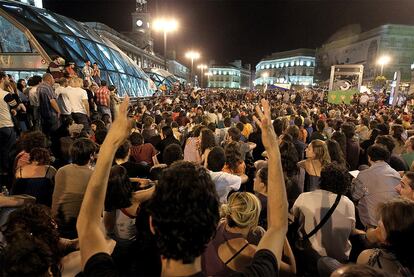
395, 41
234, 75
288, 67
180, 71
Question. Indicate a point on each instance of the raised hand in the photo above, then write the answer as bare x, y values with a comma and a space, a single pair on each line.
121, 127
269, 138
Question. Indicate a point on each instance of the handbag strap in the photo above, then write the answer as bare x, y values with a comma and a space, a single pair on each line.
324, 219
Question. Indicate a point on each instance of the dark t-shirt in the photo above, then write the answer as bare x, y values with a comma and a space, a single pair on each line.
264, 264
135, 170
398, 163
317, 135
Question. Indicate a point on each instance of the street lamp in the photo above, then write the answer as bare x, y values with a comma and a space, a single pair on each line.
208, 74
383, 60
265, 75
192, 55
166, 26
202, 67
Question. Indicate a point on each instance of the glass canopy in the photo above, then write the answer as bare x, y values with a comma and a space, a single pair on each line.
73, 41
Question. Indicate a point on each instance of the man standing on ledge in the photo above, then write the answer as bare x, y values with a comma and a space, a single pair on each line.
49, 109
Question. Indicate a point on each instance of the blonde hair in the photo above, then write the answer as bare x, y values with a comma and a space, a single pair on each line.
321, 152
242, 210
75, 82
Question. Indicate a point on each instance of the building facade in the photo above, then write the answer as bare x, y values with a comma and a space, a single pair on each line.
395, 41
235, 75
180, 71
288, 67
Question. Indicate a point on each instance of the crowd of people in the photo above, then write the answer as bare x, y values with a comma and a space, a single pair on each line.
202, 182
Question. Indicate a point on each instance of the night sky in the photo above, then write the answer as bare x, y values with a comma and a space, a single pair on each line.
225, 30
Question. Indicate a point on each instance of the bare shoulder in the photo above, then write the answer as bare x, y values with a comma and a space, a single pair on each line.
365, 255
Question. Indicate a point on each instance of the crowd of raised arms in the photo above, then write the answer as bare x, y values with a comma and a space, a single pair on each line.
202, 182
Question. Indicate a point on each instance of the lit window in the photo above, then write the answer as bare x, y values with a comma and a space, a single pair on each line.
277, 65
267, 66
308, 63
262, 67
301, 63
292, 63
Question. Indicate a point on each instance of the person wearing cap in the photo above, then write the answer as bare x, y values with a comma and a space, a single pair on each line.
70, 70
54, 68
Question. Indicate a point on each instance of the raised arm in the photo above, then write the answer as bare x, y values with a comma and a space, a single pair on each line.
277, 204
89, 224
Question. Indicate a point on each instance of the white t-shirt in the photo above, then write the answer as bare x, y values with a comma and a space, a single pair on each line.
63, 100
364, 99
5, 116
332, 239
34, 96
225, 182
124, 226
76, 97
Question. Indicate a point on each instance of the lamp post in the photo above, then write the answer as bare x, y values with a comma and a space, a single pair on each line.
192, 55
383, 60
202, 67
208, 74
264, 76
166, 26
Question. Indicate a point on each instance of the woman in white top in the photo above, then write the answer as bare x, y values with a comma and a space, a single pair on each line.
122, 205
311, 207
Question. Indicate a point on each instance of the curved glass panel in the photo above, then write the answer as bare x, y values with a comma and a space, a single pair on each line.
73, 41
12, 39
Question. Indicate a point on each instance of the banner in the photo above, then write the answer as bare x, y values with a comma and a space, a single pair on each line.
341, 96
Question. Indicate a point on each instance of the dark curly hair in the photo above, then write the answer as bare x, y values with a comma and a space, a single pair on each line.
233, 155
36, 221
335, 178
208, 140
30, 140
184, 211
40, 155
120, 189
28, 255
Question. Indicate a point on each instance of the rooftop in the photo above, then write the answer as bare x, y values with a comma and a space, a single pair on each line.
290, 53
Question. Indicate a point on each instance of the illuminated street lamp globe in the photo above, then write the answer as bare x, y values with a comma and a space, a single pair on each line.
382, 61
165, 25
192, 55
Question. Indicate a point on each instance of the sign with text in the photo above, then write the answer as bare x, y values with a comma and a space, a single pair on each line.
22, 62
